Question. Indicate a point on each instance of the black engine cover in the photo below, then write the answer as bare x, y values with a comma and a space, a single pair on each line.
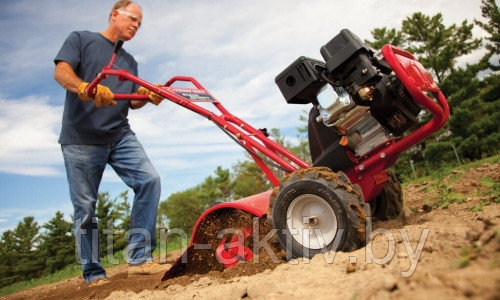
300, 82
324, 145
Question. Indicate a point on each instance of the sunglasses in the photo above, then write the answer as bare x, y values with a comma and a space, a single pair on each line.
130, 15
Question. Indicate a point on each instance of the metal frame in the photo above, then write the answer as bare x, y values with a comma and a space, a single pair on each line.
368, 171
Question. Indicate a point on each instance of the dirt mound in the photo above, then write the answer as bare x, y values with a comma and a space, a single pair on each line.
447, 245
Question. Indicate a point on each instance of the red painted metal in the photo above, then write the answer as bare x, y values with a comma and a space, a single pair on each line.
250, 137
232, 253
410, 72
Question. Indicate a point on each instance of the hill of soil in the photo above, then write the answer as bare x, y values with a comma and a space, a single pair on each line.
447, 245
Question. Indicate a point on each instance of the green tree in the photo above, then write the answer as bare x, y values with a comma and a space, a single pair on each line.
248, 179
384, 36
491, 12
474, 121
280, 139
9, 259
439, 152
106, 215
182, 209
216, 189
301, 148
57, 246
26, 242
437, 46
472, 128
122, 212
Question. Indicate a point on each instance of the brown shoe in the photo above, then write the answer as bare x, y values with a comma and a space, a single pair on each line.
148, 268
98, 281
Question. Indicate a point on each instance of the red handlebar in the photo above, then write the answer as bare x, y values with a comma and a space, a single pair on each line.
126, 75
185, 78
122, 75
250, 137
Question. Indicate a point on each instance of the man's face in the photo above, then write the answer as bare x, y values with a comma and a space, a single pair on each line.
127, 21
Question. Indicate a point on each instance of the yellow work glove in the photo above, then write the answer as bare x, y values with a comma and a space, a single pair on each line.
103, 95
155, 98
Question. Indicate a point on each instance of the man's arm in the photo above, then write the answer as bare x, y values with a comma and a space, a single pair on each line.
66, 77
135, 104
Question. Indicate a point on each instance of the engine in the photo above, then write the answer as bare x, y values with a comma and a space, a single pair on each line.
358, 103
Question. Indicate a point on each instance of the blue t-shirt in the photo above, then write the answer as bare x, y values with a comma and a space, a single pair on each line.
83, 123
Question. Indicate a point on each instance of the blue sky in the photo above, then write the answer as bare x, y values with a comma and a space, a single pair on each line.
234, 48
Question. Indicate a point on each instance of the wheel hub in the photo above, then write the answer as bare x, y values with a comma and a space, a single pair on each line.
311, 221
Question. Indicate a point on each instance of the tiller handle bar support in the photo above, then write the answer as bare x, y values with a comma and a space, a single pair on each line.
250, 138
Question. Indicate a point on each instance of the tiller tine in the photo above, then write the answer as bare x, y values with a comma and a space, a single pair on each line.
232, 253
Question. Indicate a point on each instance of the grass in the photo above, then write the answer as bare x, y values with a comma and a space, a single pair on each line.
437, 175
441, 195
445, 197
67, 272
75, 270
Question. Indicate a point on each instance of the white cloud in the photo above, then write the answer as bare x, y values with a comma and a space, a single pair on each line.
28, 136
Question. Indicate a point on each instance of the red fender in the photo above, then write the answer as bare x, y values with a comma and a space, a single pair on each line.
256, 204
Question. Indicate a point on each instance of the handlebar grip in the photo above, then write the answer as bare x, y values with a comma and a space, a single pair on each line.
118, 46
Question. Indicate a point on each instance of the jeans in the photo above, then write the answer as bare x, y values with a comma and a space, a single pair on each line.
85, 165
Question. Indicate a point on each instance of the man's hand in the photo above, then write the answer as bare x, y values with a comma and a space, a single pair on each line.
102, 97
155, 98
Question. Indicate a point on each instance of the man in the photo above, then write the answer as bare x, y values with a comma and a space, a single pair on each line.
96, 133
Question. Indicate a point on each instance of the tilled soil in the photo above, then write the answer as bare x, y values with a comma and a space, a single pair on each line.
440, 249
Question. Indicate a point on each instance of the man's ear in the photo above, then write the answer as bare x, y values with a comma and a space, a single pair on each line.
113, 14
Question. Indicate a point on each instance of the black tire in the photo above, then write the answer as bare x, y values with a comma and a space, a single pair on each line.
318, 191
389, 203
